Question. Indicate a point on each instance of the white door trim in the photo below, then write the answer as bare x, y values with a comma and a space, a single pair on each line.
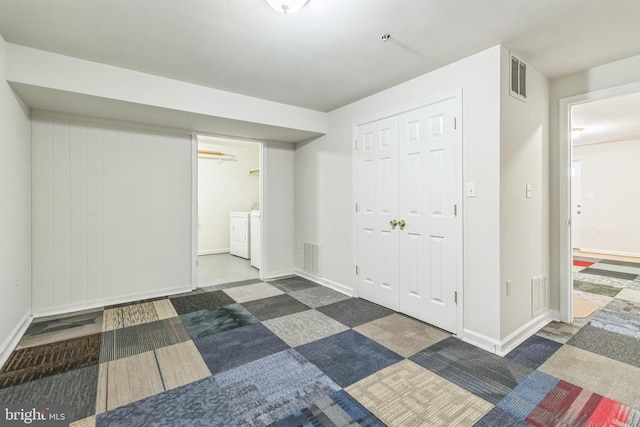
457, 94
565, 157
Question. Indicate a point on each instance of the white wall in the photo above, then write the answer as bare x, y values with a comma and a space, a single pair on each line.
524, 222
325, 186
111, 213
224, 186
277, 207
15, 213
604, 77
609, 220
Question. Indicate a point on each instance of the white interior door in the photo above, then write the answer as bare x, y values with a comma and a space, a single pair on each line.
427, 243
378, 206
576, 202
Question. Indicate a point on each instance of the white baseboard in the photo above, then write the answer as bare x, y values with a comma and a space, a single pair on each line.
214, 251
504, 346
326, 282
88, 305
278, 274
607, 252
14, 338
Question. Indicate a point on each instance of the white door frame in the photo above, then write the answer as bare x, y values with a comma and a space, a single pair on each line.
565, 157
576, 185
194, 201
457, 94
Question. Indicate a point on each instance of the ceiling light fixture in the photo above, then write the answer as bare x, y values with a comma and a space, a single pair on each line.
287, 6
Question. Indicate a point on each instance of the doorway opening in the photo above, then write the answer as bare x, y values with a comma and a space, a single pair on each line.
228, 214
603, 243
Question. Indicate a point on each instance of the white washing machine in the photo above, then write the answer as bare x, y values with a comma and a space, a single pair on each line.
239, 236
256, 252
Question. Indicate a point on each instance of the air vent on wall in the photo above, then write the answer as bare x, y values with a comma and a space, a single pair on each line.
518, 87
312, 258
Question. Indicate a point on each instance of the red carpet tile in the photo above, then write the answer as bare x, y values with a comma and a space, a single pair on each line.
579, 263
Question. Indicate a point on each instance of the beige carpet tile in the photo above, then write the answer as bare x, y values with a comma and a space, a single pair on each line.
405, 394
304, 327
253, 292
127, 380
130, 315
85, 422
164, 309
402, 334
559, 332
632, 295
181, 364
607, 377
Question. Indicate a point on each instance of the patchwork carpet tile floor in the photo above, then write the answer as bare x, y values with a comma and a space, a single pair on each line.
291, 353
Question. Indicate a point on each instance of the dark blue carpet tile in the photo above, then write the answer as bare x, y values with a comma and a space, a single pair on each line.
348, 357
482, 373
272, 307
292, 284
354, 312
74, 388
499, 418
268, 389
534, 351
211, 321
609, 344
339, 409
609, 273
233, 348
528, 394
201, 301
197, 404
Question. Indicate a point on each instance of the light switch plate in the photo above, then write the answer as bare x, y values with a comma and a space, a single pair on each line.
471, 189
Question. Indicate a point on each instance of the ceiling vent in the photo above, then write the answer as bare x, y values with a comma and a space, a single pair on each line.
518, 86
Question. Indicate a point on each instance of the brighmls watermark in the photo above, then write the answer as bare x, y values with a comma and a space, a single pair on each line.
34, 415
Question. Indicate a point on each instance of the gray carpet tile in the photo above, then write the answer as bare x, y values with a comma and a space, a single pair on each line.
500, 418
74, 388
292, 284
622, 263
534, 351
200, 403
595, 288
601, 280
211, 321
123, 342
92, 319
271, 388
482, 373
272, 307
634, 285
304, 327
354, 311
232, 284
613, 345
319, 296
236, 347
588, 259
623, 306
609, 273
348, 357
201, 301
338, 409
620, 322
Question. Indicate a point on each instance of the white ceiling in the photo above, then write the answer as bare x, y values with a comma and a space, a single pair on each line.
330, 53
607, 120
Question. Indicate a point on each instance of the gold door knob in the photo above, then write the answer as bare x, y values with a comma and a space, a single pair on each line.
393, 222
401, 223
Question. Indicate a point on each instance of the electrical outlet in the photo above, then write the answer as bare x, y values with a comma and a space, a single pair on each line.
17, 280
509, 287
598, 232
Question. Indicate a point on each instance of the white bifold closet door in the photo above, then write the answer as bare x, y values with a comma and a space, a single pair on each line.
407, 224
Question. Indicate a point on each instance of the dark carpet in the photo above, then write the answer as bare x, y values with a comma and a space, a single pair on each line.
354, 311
